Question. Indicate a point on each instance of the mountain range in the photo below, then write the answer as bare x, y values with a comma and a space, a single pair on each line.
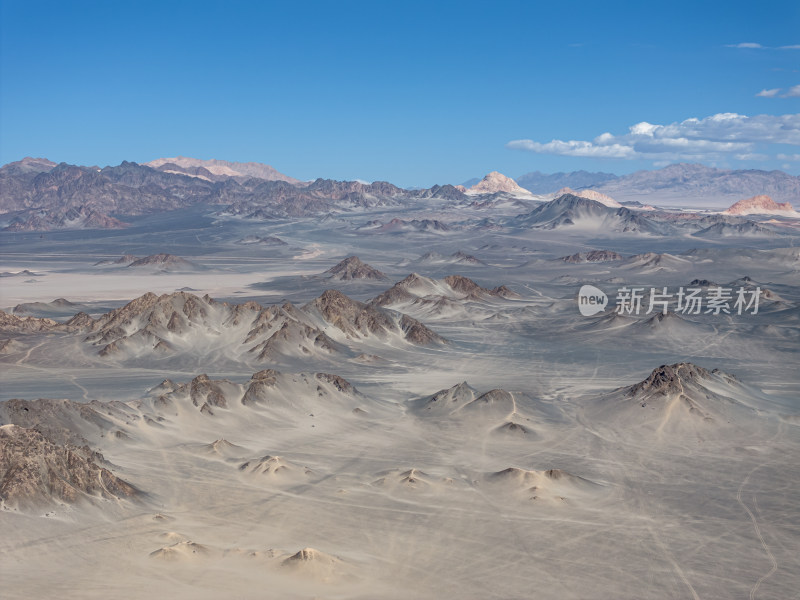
38, 195
678, 184
218, 170
694, 184
172, 324
542, 183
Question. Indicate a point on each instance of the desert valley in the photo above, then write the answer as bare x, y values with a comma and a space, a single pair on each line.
221, 381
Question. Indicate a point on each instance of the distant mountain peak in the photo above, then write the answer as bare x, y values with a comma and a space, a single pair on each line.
591, 195
496, 182
218, 169
761, 205
684, 184
30, 163
541, 183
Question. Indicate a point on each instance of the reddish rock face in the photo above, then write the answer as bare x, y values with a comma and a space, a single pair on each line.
756, 204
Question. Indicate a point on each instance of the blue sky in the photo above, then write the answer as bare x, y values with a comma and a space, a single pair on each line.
411, 92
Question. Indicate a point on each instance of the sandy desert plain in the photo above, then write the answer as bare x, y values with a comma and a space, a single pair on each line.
434, 420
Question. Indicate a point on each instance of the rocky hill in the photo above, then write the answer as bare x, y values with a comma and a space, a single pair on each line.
353, 268
162, 261
592, 256
34, 472
574, 211
182, 324
761, 205
677, 400
590, 195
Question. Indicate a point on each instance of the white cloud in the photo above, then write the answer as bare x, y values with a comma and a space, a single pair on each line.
757, 46
732, 127
745, 45
643, 128
793, 157
717, 137
574, 148
792, 92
